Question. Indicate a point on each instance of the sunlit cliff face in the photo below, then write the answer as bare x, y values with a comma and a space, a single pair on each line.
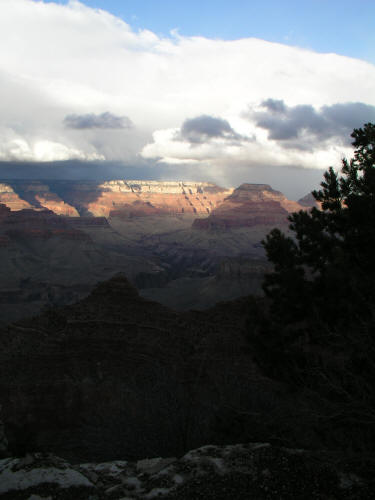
117, 197
127, 198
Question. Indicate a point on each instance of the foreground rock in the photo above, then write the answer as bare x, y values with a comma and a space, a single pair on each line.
41, 474
256, 471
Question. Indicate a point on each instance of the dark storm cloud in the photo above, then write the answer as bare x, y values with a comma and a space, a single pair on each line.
293, 182
80, 170
204, 128
105, 120
304, 127
349, 115
278, 106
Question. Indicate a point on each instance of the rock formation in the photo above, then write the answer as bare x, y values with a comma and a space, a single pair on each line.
137, 198
309, 201
250, 205
243, 471
18, 195
11, 199
87, 230
121, 198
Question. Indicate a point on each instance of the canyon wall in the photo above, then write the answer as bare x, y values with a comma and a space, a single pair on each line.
250, 205
121, 198
246, 206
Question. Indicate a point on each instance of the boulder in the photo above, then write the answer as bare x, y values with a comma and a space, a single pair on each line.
240, 471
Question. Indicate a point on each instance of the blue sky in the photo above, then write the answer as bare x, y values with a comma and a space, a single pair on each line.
345, 27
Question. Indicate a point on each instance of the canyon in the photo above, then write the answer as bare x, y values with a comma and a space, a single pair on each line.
127, 333
136, 198
184, 244
117, 197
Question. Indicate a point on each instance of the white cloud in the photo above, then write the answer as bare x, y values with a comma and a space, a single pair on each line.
58, 61
18, 149
165, 148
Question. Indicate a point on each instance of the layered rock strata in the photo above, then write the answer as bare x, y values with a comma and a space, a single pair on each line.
18, 195
121, 198
138, 198
250, 205
11, 199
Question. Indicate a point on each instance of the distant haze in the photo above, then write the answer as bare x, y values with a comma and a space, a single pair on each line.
293, 182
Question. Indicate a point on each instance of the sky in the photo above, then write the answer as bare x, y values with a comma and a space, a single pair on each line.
260, 91
341, 26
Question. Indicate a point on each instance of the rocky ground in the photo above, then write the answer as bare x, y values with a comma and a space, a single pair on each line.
256, 471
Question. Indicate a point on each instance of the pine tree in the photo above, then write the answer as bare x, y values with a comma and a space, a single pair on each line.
326, 273
316, 329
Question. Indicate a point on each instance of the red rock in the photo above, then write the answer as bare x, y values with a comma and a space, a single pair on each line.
142, 198
38, 194
11, 199
135, 198
250, 205
34, 194
58, 206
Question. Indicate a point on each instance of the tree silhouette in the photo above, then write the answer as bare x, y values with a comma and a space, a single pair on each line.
317, 329
326, 273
